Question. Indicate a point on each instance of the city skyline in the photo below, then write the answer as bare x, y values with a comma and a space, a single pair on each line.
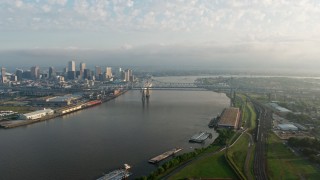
195, 33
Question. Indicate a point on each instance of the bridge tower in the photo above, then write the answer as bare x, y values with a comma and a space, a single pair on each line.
147, 93
143, 96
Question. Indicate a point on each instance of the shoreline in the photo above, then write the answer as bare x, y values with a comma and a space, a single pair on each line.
10, 125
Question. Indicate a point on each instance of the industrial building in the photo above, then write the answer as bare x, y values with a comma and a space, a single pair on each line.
287, 127
279, 109
37, 114
229, 118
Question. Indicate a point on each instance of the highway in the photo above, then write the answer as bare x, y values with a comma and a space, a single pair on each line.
263, 126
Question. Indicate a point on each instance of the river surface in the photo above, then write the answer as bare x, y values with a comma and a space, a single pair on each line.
90, 142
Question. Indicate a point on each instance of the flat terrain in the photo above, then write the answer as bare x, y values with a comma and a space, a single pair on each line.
238, 152
19, 109
212, 167
284, 164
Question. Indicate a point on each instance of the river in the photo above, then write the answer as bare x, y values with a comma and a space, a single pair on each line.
88, 143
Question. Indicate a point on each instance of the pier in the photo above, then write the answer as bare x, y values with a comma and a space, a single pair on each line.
200, 137
58, 112
164, 155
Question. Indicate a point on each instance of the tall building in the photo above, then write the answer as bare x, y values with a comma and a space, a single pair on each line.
71, 70
81, 71
128, 75
71, 75
87, 74
35, 72
71, 66
3, 75
98, 72
82, 66
108, 72
52, 72
19, 74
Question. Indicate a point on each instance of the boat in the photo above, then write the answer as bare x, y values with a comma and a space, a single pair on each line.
118, 174
164, 155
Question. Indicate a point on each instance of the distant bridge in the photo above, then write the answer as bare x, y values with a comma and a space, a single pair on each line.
219, 87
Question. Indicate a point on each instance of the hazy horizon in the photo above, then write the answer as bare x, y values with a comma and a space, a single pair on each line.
258, 36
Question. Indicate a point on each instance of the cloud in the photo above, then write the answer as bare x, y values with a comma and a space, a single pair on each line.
194, 20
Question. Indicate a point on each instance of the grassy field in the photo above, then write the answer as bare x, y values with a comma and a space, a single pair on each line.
18, 109
283, 164
212, 167
238, 152
252, 117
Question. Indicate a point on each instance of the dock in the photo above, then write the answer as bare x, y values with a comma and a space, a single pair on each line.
164, 155
200, 137
214, 122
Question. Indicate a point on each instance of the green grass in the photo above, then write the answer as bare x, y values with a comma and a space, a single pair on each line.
252, 117
212, 167
283, 164
18, 109
238, 152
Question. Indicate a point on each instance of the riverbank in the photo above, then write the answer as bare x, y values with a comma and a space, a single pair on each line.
58, 113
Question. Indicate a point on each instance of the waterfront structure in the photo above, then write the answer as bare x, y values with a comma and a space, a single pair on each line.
200, 137
164, 155
118, 174
70, 109
37, 114
3, 75
230, 118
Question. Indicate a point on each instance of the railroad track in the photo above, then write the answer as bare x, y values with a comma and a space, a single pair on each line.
263, 119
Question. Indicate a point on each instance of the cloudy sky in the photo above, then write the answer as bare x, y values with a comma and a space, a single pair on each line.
282, 32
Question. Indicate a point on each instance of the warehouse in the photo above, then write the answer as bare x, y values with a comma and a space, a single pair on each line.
287, 127
229, 118
37, 114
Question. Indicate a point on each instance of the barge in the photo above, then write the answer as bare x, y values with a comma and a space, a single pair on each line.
164, 155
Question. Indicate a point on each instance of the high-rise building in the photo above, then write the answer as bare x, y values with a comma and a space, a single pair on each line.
98, 72
13, 78
81, 71
52, 72
128, 75
71, 70
87, 74
71, 75
19, 74
71, 66
3, 75
35, 72
108, 72
82, 66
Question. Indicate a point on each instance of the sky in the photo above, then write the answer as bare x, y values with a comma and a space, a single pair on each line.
210, 33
